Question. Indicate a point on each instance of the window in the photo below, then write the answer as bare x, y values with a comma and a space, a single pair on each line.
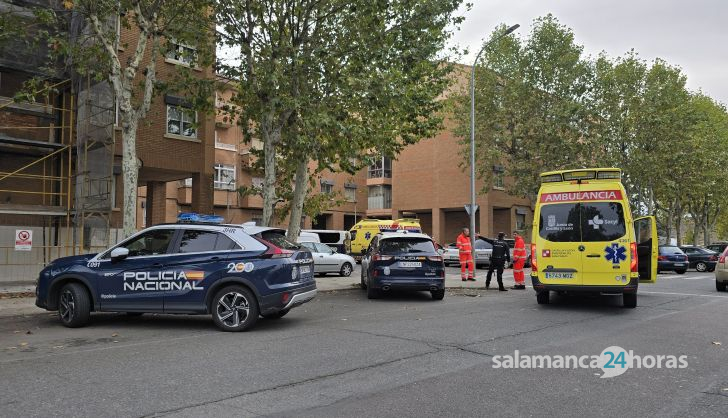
520, 221
311, 246
224, 177
323, 248
406, 246
257, 182
350, 194
182, 54
186, 182
154, 242
602, 221
198, 241
380, 197
499, 182
382, 168
327, 186
181, 121
560, 222
278, 238
482, 245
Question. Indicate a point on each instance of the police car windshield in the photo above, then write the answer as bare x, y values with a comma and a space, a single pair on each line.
398, 246
279, 240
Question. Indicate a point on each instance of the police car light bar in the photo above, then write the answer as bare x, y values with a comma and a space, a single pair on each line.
190, 217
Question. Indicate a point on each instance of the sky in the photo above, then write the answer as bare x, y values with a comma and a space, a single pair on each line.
692, 35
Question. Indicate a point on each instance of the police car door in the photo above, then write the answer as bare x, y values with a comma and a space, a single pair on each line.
200, 258
132, 284
645, 232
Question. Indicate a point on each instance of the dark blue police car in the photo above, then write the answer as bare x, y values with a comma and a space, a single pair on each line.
402, 260
183, 269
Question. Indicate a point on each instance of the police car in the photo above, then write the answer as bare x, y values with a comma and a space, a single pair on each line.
183, 268
405, 261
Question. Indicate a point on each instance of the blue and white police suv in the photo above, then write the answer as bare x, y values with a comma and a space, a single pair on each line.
183, 268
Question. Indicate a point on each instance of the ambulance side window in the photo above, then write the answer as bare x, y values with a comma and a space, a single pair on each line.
560, 222
602, 221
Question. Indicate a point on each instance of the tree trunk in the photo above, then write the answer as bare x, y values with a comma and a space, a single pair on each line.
270, 138
299, 195
130, 172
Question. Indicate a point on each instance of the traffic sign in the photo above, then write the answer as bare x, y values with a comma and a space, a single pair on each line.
467, 209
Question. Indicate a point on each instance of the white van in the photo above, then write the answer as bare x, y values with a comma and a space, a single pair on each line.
305, 236
341, 240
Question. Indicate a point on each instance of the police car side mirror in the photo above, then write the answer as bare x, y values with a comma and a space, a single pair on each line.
119, 253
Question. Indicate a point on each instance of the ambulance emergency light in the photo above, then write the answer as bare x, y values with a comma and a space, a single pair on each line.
189, 217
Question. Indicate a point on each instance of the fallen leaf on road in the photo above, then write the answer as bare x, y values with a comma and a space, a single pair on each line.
115, 334
23, 344
17, 332
115, 341
716, 343
12, 348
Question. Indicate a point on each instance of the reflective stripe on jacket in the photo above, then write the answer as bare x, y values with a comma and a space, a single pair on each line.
463, 244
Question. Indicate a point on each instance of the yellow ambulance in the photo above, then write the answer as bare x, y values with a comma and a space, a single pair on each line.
363, 232
585, 240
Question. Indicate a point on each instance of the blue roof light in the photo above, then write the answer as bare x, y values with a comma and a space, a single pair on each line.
195, 217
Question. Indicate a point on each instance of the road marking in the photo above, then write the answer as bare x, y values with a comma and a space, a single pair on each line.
686, 294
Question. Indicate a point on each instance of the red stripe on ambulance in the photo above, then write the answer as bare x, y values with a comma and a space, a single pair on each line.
581, 196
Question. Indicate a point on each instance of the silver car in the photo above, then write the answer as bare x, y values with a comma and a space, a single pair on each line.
483, 250
327, 260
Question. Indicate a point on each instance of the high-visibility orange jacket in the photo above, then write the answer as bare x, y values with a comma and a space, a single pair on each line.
463, 244
519, 250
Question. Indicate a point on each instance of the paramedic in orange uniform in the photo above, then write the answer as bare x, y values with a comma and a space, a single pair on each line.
466, 255
519, 261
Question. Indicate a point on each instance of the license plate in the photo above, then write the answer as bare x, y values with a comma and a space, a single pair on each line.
410, 264
559, 275
305, 269
679, 264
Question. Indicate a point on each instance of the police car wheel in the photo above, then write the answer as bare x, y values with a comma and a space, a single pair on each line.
438, 294
629, 300
542, 298
74, 305
234, 309
346, 270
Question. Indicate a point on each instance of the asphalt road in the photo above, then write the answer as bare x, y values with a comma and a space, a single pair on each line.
405, 355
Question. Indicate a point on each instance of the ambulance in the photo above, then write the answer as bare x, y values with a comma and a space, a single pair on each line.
363, 232
585, 240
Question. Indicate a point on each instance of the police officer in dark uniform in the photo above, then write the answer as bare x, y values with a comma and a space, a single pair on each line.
498, 259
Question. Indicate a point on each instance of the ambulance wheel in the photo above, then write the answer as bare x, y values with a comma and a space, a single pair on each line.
438, 294
681, 271
629, 300
234, 309
542, 297
74, 305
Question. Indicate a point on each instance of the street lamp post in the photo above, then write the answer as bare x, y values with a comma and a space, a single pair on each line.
472, 134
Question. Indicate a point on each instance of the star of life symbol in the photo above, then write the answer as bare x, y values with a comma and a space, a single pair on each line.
596, 222
552, 221
368, 235
616, 253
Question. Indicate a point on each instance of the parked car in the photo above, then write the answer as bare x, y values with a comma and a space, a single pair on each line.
483, 250
700, 259
717, 247
183, 269
721, 271
671, 258
402, 260
328, 260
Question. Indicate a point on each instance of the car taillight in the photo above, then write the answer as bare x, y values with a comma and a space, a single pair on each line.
275, 251
722, 259
434, 257
379, 257
633, 262
686, 258
661, 258
713, 258
534, 267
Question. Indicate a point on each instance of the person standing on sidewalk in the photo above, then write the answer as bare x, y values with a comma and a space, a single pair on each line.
466, 255
519, 261
498, 259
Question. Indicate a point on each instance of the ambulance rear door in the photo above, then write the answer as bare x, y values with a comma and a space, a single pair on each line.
645, 232
605, 245
559, 235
